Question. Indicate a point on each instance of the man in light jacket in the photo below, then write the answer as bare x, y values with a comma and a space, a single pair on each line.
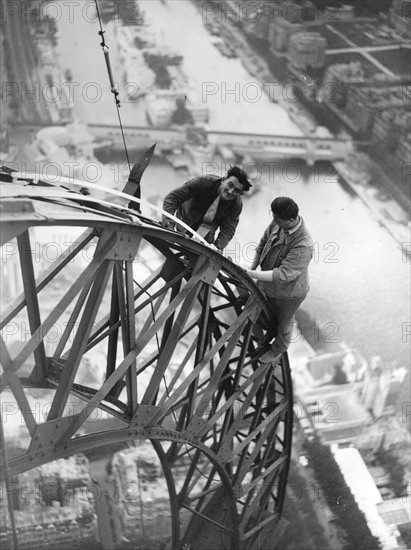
284, 252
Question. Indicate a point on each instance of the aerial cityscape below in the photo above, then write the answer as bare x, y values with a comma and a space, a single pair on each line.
312, 99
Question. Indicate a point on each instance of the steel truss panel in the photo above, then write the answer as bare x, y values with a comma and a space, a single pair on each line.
180, 328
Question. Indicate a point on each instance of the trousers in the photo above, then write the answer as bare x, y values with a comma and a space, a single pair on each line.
284, 310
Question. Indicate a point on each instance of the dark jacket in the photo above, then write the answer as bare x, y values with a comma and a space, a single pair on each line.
191, 201
288, 255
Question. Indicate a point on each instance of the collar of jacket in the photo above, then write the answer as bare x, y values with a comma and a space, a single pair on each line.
295, 228
274, 233
290, 233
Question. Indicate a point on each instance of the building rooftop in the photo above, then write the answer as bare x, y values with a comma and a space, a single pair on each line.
350, 72
395, 511
367, 32
399, 117
397, 61
66, 469
348, 57
349, 435
378, 97
323, 366
334, 408
354, 72
307, 37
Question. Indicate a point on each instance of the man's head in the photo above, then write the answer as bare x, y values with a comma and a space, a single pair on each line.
285, 212
234, 184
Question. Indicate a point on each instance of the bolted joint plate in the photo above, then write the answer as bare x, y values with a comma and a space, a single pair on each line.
49, 433
213, 269
125, 247
195, 426
143, 415
226, 451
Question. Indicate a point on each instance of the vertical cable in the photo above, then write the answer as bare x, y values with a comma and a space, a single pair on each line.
113, 88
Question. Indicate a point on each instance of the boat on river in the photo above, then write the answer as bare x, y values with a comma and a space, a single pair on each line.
226, 49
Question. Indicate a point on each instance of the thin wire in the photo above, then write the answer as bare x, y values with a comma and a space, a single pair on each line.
152, 310
113, 88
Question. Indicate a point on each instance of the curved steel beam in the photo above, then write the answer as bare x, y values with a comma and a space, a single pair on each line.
179, 327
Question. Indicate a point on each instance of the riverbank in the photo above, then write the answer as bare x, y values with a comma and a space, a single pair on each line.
387, 212
381, 200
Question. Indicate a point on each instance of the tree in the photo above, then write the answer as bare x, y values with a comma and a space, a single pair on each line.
395, 469
339, 497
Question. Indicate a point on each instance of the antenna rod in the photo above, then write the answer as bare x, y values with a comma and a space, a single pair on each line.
110, 74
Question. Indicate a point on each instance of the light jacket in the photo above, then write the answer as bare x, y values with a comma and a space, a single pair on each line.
288, 255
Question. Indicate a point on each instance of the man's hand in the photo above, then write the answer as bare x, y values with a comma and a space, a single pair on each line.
266, 276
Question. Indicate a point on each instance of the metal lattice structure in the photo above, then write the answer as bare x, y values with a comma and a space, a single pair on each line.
177, 328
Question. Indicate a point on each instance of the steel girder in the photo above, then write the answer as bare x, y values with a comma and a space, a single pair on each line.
176, 328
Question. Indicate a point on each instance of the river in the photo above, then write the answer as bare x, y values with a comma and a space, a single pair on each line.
359, 277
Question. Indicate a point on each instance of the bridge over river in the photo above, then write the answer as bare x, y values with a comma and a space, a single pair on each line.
259, 146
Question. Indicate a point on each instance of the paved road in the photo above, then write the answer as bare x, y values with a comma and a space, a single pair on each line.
26, 77
359, 49
362, 51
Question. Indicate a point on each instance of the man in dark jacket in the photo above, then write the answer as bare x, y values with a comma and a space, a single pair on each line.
208, 203
284, 252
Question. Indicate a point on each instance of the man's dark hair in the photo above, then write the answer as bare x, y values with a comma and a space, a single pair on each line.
284, 208
239, 173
